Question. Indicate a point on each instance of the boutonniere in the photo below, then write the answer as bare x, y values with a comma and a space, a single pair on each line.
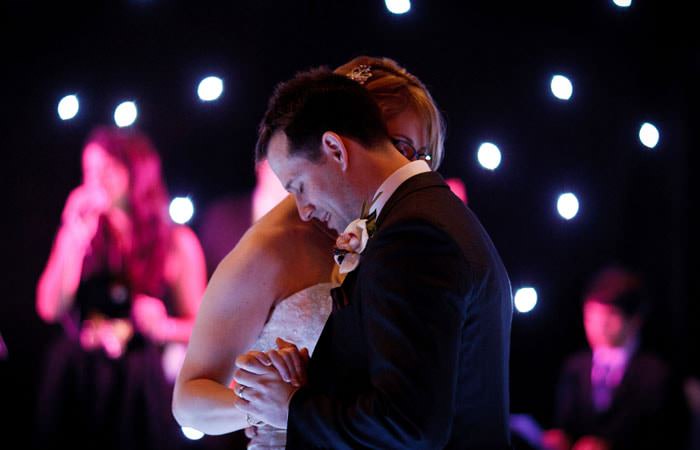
352, 242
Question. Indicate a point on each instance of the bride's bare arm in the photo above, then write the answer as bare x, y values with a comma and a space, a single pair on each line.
278, 256
234, 308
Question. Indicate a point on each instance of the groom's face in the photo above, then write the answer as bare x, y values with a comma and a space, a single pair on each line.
320, 188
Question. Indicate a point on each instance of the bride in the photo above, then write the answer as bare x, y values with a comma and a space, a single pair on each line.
276, 282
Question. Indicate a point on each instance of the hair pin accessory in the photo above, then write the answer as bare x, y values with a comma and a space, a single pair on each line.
361, 73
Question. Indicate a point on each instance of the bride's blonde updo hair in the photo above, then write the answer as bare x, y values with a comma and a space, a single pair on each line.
395, 89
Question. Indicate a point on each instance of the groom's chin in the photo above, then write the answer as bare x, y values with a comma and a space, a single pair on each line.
337, 226
333, 224
327, 225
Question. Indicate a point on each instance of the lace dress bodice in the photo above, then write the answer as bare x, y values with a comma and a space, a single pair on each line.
299, 319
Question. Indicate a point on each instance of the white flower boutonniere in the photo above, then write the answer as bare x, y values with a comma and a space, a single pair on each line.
352, 242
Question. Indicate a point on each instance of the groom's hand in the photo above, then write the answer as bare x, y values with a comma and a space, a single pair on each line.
264, 394
290, 362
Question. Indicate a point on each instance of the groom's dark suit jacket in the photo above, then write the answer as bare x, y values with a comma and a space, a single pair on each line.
415, 352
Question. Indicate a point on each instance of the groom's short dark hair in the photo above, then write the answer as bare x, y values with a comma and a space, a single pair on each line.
317, 101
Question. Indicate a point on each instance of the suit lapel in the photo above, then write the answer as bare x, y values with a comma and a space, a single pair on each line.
341, 295
620, 393
586, 387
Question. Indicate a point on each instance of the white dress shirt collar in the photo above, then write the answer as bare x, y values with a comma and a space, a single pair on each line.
396, 179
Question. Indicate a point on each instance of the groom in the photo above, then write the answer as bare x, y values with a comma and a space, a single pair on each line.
415, 352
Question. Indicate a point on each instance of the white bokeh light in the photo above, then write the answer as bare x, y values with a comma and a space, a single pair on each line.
398, 6
561, 87
567, 205
192, 433
125, 114
181, 210
68, 107
525, 299
649, 135
623, 3
210, 88
489, 156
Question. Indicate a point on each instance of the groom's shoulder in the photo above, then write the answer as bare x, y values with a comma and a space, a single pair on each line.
423, 217
432, 204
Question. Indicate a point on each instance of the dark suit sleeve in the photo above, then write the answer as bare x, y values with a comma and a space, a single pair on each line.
568, 407
412, 288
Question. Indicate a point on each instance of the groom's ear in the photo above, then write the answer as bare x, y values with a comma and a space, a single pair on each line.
333, 147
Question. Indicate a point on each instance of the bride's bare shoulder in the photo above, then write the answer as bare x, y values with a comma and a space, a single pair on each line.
281, 249
277, 237
283, 229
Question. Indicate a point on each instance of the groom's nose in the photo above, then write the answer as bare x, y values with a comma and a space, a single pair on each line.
306, 212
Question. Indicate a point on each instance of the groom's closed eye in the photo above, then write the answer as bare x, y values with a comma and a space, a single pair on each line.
291, 189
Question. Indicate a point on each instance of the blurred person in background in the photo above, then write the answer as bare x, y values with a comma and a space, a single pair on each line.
124, 283
617, 396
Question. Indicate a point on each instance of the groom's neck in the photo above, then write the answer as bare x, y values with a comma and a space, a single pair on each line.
376, 165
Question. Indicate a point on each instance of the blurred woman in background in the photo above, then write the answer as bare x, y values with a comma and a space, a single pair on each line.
125, 284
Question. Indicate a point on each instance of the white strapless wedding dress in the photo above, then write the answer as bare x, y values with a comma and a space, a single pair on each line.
298, 318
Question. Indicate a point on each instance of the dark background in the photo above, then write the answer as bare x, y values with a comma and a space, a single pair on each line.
488, 66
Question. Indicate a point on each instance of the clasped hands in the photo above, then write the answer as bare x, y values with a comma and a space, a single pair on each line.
266, 381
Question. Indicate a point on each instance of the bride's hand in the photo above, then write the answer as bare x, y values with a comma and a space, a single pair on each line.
263, 394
